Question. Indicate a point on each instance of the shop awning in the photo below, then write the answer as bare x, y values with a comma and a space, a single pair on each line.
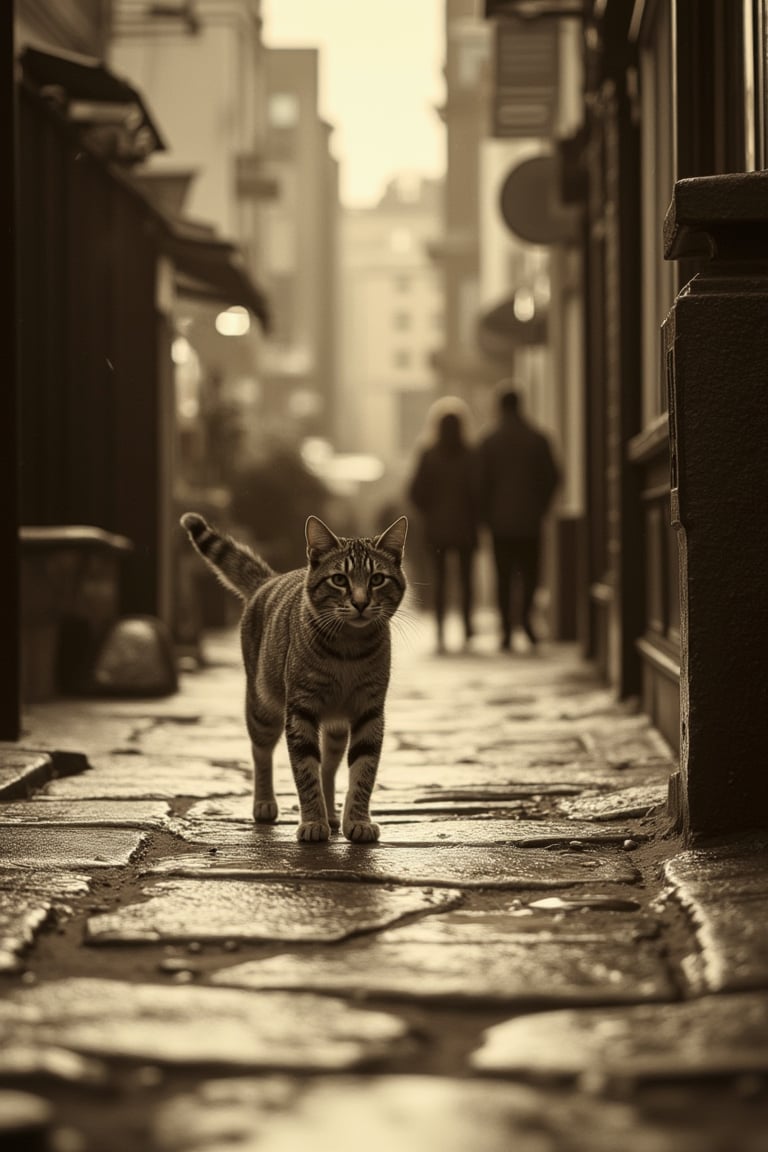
92, 95
211, 268
92, 101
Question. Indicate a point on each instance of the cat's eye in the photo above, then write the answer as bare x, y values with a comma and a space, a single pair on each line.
339, 580
377, 579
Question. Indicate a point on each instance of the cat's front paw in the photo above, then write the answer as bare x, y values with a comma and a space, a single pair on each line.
265, 811
312, 831
362, 831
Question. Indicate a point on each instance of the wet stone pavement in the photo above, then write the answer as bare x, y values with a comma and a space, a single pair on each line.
528, 959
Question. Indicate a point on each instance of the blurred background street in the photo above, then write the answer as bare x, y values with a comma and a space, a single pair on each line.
500, 266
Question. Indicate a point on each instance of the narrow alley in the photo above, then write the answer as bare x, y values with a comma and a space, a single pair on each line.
526, 960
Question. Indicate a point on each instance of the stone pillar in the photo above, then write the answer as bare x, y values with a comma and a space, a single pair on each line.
715, 343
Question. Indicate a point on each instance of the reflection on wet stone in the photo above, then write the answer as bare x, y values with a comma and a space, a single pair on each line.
142, 777
527, 969
441, 866
202, 910
27, 901
26, 846
22, 771
187, 1025
410, 1114
711, 1036
447, 832
725, 893
616, 805
42, 810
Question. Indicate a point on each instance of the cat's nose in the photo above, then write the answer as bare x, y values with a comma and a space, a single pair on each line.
360, 601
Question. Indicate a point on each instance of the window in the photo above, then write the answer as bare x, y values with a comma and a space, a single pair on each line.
402, 283
401, 321
402, 359
283, 110
401, 240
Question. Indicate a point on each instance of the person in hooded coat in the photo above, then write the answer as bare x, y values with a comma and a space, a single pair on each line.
443, 491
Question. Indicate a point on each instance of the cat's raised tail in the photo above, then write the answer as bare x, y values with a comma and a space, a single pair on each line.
234, 564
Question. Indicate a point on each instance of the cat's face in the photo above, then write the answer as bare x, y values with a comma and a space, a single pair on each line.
354, 582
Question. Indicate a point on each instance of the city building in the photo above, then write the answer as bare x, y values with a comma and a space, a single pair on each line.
212, 175
461, 366
391, 322
299, 254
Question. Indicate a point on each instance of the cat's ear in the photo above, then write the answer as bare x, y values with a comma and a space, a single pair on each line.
320, 539
392, 539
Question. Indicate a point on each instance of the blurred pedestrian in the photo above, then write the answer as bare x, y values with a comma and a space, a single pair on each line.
517, 479
442, 490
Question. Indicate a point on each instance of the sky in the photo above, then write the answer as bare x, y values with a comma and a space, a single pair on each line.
380, 82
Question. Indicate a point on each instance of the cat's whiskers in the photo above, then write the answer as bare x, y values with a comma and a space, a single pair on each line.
327, 623
406, 624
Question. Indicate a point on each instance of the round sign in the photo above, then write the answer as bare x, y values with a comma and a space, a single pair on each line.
530, 206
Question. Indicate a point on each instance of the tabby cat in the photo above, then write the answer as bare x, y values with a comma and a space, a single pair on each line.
316, 651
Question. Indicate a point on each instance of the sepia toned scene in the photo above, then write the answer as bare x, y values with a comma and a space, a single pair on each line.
384, 713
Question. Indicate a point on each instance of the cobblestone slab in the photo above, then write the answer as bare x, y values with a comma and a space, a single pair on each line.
457, 740
22, 772
743, 864
68, 847
413, 1114
589, 704
228, 742
91, 725
523, 833
237, 810
420, 806
27, 901
584, 902
23, 1062
42, 810
218, 910
422, 1114
21, 917
528, 969
220, 833
442, 771
508, 791
608, 771
713, 1036
189, 1025
443, 866
620, 805
725, 892
624, 747
733, 938
145, 778
496, 917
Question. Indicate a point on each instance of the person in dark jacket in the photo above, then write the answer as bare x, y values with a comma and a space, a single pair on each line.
442, 490
517, 479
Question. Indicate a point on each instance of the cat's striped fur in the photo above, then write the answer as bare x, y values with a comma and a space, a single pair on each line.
316, 650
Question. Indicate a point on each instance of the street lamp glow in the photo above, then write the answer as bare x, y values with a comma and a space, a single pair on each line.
524, 305
234, 322
181, 350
